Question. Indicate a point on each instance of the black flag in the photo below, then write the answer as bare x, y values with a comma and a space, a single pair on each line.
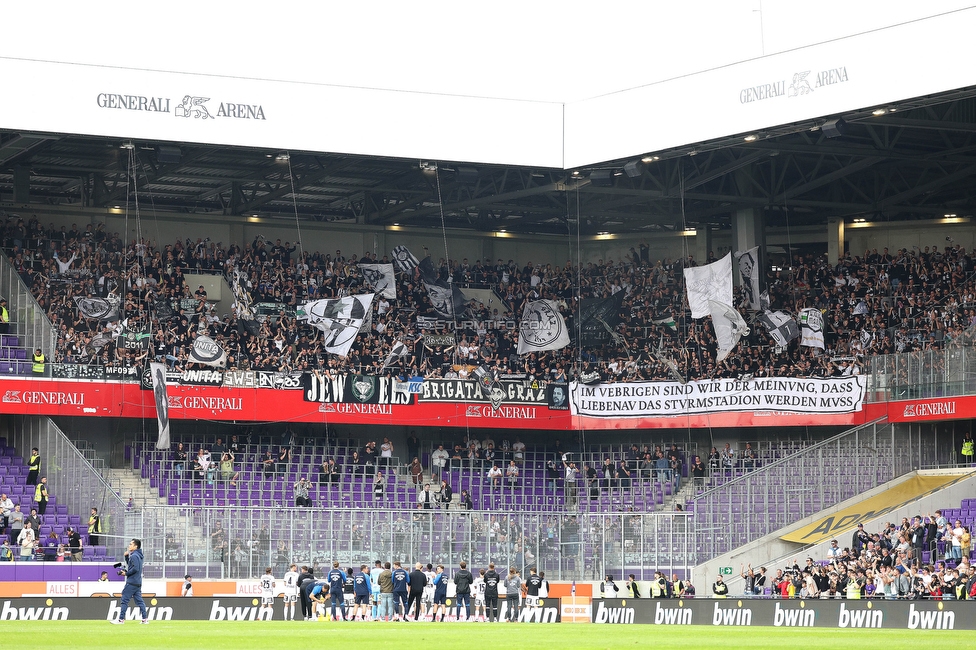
598, 318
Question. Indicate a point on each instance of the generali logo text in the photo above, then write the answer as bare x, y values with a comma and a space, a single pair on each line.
43, 397
190, 106
926, 409
799, 85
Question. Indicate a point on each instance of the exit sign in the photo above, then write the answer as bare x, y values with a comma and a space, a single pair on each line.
725, 571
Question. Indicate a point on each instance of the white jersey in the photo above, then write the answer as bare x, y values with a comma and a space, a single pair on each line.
267, 589
291, 583
478, 589
428, 594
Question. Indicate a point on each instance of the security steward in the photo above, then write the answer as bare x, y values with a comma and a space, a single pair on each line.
34, 463
38, 366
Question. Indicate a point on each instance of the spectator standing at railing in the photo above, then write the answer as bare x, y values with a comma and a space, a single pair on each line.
438, 461
4, 317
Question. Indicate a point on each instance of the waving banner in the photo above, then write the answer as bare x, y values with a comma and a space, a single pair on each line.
99, 308
542, 328
710, 282
157, 371
379, 278
340, 319
208, 352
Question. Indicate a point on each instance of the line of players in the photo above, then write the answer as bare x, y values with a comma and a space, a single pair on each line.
391, 593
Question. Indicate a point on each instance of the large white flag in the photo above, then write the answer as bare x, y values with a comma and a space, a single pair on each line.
340, 319
729, 327
379, 278
158, 373
812, 328
751, 275
710, 282
542, 328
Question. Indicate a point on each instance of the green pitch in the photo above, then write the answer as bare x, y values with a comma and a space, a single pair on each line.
348, 636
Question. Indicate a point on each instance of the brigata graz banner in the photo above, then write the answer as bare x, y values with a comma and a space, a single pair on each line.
884, 614
466, 390
663, 399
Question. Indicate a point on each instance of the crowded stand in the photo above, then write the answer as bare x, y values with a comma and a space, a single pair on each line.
922, 557
875, 303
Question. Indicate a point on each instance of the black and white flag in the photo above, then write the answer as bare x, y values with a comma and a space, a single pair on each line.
780, 326
158, 373
729, 328
490, 387
340, 319
208, 352
599, 318
752, 277
164, 310
812, 328
404, 260
861, 309
100, 340
445, 297
249, 325
379, 279
542, 328
98, 308
711, 282
397, 352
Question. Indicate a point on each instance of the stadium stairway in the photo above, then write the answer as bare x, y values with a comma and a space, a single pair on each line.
133, 489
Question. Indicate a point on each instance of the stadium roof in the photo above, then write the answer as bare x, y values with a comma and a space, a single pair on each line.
566, 124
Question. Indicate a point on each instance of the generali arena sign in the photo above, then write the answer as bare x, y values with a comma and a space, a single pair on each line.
728, 403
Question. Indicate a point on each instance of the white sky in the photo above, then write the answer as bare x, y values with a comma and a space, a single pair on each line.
540, 51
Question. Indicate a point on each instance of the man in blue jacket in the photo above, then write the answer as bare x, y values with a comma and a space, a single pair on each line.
133, 583
401, 580
337, 579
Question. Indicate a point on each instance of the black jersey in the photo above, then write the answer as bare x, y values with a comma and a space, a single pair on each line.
491, 583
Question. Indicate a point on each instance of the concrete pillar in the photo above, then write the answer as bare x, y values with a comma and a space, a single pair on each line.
703, 244
835, 240
748, 229
21, 184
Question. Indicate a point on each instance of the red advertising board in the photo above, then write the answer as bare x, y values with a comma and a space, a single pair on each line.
66, 397
937, 408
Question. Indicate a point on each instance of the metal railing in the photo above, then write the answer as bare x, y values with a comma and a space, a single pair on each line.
218, 542
27, 318
776, 495
71, 477
921, 374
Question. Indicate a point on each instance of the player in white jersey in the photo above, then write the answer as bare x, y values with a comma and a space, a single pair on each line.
478, 593
427, 597
291, 592
267, 595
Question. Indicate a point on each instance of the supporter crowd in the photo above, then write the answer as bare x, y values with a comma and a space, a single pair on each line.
875, 303
920, 558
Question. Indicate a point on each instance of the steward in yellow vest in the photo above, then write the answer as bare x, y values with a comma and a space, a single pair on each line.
38, 366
